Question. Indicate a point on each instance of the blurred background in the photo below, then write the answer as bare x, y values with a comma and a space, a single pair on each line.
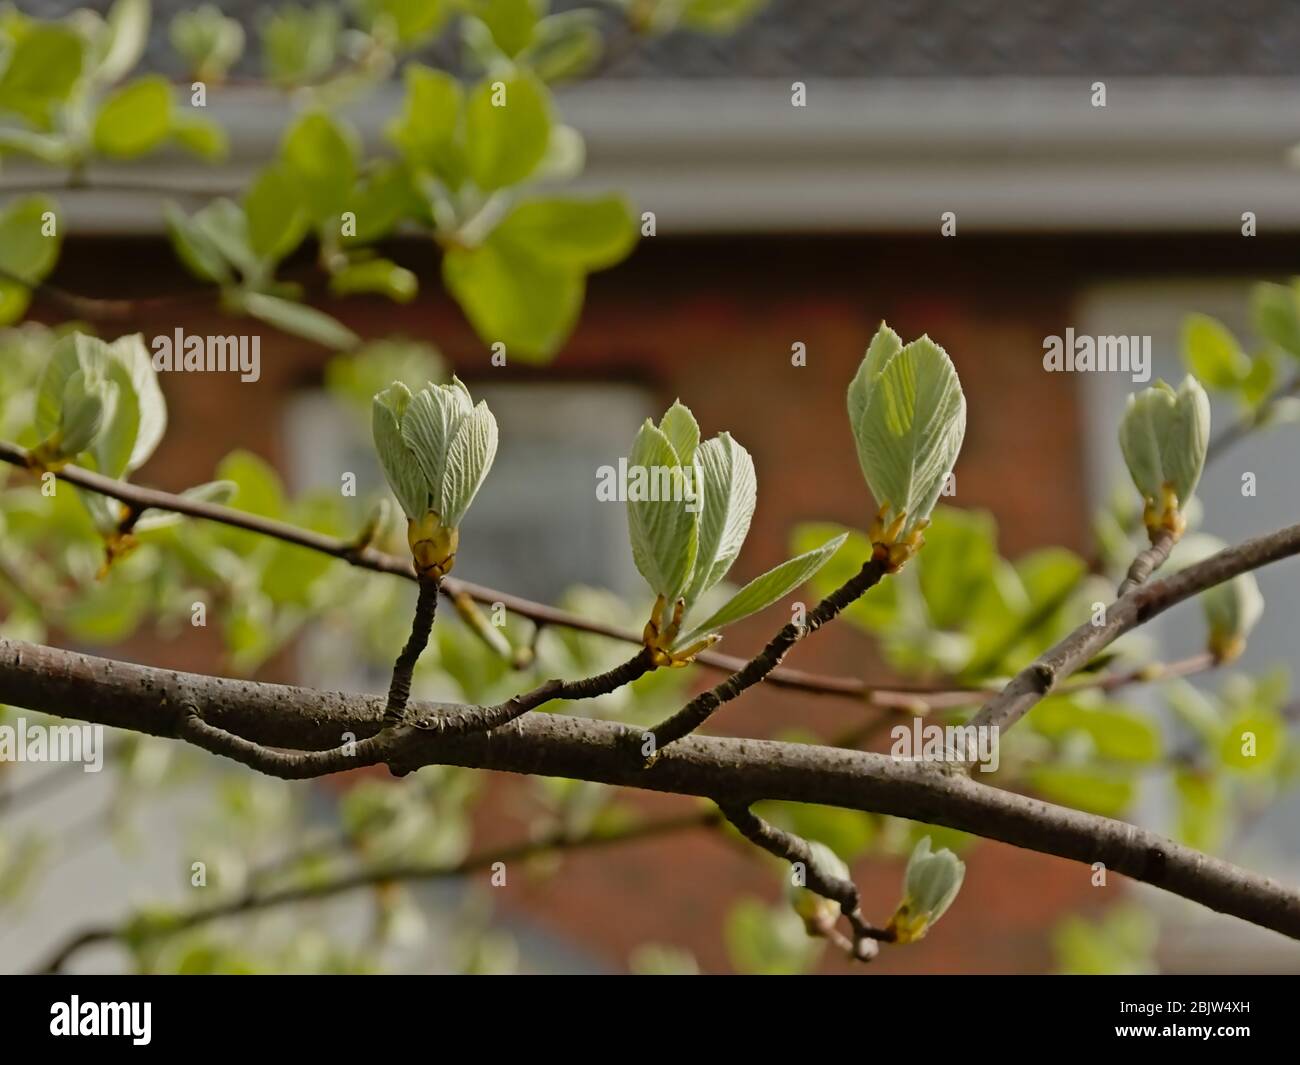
952, 173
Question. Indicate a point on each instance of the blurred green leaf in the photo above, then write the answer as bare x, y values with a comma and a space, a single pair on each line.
200, 255
511, 22
1117, 733
321, 160
424, 130
277, 222
413, 21
201, 136
1276, 315
1122, 943
300, 44
956, 563
874, 611
379, 276
41, 69
26, 251
1253, 739
1202, 809
584, 234
764, 941
299, 320
135, 119
849, 833
210, 42
1093, 789
526, 303
1211, 352
508, 126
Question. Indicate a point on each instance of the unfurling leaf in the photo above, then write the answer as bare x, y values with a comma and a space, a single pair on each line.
689, 509
134, 422
818, 912
436, 448
663, 522
771, 587
1232, 608
930, 884
908, 417
1164, 436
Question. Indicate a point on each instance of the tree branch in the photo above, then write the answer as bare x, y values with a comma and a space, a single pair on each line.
1129, 611
469, 719
794, 849
399, 689
145, 699
1148, 561
701, 708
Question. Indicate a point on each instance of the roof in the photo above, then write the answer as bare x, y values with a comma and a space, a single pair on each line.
819, 39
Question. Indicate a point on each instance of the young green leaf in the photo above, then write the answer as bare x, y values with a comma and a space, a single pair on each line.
682, 430
429, 426
729, 492
88, 400
930, 884
1164, 436
469, 458
664, 531
202, 137
133, 424
908, 417
395, 455
763, 591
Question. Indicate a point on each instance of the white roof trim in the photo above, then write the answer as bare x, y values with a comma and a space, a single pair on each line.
868, 155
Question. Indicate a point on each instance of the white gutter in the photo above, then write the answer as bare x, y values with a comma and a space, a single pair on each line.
866, 155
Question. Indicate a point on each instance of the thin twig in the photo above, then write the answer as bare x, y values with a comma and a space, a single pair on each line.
702, 707
822, 881
1128, 612
255, 901
399, 689
1149, 560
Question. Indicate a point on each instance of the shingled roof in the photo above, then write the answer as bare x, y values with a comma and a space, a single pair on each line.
922, 38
